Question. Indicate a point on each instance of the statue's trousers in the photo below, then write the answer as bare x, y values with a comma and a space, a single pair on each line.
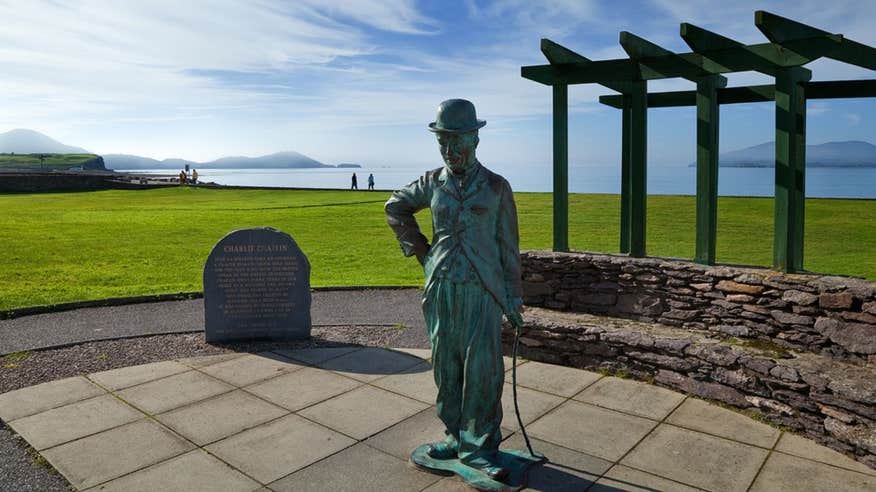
465, 327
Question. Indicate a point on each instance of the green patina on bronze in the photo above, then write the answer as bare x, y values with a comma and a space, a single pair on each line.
792, 44
472, 272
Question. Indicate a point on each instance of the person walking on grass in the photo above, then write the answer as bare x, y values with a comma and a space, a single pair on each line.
371, 182
355, 183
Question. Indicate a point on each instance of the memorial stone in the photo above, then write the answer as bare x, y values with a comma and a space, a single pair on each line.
257, 287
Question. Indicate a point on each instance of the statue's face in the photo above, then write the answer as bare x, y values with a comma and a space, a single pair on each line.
458, 149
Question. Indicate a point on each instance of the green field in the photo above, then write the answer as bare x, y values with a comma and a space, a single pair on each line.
62, 247
49, 162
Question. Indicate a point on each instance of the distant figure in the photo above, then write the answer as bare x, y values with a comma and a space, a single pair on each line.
370, 181
194, 176
355, 185
182, 177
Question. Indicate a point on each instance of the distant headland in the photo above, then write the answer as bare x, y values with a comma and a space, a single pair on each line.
15, 144
853, 153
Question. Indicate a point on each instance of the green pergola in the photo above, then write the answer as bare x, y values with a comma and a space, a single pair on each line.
791, 45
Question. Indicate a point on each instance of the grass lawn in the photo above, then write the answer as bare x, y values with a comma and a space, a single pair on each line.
62, 247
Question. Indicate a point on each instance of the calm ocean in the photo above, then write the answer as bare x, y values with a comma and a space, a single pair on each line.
820, 182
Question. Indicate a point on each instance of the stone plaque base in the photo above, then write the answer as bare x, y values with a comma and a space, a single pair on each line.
517, 462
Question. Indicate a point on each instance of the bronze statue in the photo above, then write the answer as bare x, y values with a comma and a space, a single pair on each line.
472, 271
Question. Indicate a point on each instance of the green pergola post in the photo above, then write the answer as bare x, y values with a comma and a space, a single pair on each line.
626, 176
790, 193
638, 166
561, 167
707, 170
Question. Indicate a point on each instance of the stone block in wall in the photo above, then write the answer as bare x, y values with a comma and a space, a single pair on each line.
716, 353
535, 289
731, 286
740, 298
748, 278
859, 317
860, 435
836, 300
667, 361
798, 297
791, 318
858, 338
732, 330
869, 307
641, 304
713, 391
596, 298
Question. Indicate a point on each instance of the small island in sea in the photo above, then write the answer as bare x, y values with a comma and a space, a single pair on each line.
853, 153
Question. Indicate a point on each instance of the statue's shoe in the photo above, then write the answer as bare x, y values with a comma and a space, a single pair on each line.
442, 450
489, 468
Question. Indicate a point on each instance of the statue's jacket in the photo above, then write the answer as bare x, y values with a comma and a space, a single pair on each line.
475, 235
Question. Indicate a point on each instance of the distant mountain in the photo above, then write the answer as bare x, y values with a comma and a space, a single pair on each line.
21, 141
280, 160
124, 161
851, 153
348, 165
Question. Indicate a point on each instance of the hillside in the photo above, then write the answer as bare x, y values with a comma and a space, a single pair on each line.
51, 162
280, 160
21, 141
851, 153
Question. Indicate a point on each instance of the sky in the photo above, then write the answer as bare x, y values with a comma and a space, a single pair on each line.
359, 80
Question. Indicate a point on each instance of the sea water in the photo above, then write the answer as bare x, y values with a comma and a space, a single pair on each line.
662, 180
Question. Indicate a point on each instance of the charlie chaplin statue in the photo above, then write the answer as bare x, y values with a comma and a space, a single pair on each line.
472, 270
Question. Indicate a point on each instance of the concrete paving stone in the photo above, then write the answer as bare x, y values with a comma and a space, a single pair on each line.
195, 470
792, 474
623, 478
550, 378
303, 388
448, 484
369, 364
360, 468
35, 399
417, 382
425, 354
697, 459
208, 360
210, 420
173, 392
508, 362
403, 438
73, 421
273, 450
314, 356
807, 448
252, 368
96, 459
126, 377
363, 412
533, 404
633, 397
596, 431
566, 470
705, 417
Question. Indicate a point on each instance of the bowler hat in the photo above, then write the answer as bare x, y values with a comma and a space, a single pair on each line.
456, 116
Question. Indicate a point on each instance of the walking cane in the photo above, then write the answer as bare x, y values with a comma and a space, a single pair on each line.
517, 322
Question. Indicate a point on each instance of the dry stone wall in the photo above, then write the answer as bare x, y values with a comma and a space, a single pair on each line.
828, 315
798, 350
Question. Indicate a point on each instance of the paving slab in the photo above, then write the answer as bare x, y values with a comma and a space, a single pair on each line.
697, 459
417, 382
208, 360
533, 404
701, 416
314, 356
273, 450
596, 431
96, 459
401, 439
784, 473
807, 448
550, 378
637, 398
358, 468
369, 364
35, 399
217, 418
565, 471
449, 484
125, 377
73, 421
173, 392
300, 389
253, 368
195, 470
628, 479
363, 412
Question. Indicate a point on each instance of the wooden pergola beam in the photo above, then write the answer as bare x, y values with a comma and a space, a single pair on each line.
839, 89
